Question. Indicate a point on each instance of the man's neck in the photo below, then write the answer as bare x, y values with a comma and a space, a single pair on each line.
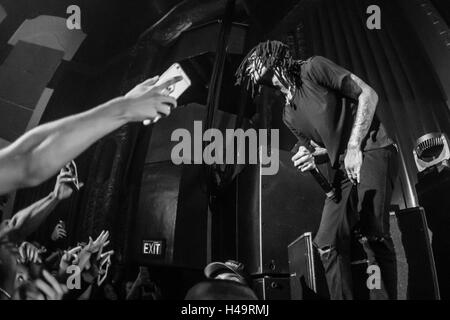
284, 85
288, 94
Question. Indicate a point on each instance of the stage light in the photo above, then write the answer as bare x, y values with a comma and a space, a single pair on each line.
431, 150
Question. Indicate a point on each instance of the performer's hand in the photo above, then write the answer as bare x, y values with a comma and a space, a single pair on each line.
318, 150
353, 162
149, 102
304, 160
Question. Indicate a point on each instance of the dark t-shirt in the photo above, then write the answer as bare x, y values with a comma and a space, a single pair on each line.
320, 112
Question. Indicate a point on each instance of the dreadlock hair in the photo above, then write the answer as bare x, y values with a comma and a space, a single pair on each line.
275, 56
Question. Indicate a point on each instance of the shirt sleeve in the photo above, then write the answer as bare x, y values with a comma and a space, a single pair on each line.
327, 73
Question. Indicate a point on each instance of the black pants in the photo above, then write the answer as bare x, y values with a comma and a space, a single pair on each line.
367, 207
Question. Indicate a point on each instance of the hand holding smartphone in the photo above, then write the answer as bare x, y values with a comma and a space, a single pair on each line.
175, 90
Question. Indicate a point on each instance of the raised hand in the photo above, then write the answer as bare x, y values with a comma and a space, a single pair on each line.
49, 287
62, 188
91, 248
59, 232
69, 257
29, 253
104, 263
99, 243
149, 102
304, 159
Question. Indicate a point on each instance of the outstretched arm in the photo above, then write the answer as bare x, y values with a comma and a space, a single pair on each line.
28, 220
41, 152
367, 98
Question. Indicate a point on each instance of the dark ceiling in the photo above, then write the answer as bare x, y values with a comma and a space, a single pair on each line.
121, 21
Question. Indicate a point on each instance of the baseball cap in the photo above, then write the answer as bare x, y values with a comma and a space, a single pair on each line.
214, 269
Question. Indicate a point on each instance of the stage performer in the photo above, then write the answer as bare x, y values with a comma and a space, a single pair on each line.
333, 110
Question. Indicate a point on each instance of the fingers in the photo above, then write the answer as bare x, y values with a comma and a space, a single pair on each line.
302, 151
75, 250
353, 177
34, 255
353, 173
64, 173
99, 237
306, 159
303, 159
58, 290
46, 289
163, 110
106, 254
101, 248
105, 236
168, 83
150, 82
65, 170
314, 144
102, 237
168, 101
65, 256
67, 180
163, 106
22, 252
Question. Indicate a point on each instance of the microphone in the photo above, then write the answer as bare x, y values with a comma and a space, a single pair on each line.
324, 184
321, 180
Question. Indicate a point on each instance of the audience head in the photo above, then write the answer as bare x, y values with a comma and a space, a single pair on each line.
230, 270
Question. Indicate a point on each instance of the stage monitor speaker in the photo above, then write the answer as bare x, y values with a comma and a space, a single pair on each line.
433, 192
272, 288
416, 275
273, 210
415, 240
307, 277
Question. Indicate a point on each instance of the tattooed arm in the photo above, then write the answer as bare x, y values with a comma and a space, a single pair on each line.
355, 88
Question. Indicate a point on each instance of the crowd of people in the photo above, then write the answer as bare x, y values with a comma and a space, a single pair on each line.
32, 271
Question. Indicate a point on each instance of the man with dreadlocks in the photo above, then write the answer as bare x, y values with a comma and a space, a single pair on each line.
333, 110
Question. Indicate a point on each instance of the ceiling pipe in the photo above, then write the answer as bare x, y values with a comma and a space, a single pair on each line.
183, 16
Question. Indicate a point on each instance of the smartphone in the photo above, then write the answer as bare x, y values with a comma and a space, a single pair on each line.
177, 89
71, 167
